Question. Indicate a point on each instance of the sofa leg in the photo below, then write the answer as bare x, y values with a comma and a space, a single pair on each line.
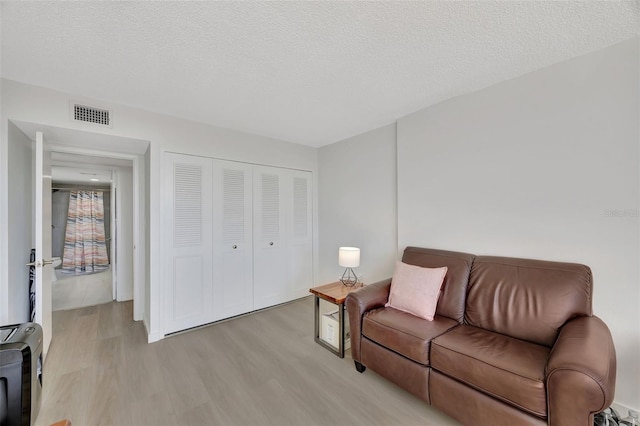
360, 367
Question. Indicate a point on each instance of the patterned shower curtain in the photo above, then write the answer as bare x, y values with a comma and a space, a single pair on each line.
85, 248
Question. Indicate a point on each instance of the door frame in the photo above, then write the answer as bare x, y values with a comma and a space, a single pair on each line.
138, 216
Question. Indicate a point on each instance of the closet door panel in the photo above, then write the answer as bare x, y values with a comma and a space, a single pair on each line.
187, 221
188, 287
233, 242
238, 237
271, 281
300, 233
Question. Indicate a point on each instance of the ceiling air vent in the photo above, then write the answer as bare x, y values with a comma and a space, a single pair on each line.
92, 115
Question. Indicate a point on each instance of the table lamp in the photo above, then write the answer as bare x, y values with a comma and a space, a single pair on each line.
349, 257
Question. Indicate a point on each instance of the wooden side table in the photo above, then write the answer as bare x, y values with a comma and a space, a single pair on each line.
335, 293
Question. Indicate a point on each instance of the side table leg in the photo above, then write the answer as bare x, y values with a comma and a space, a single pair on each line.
316, 320
341, 325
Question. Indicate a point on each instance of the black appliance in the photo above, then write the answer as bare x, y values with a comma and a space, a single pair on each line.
20, 374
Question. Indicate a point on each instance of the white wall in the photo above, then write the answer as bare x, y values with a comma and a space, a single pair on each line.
59, 213
357, 204
124, 228
19, 234
541, 166
28, 103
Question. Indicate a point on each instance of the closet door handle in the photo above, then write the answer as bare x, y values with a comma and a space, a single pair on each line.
271, 243
235, 246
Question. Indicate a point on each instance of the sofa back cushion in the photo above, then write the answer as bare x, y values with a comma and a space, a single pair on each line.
527, 299
454, 289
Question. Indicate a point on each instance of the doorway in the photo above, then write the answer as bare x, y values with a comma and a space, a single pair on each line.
83, 232
74, 148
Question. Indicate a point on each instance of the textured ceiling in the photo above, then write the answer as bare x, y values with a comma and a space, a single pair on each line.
307, 72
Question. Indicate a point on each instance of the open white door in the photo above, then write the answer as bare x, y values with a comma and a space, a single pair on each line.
42, 218
114, 237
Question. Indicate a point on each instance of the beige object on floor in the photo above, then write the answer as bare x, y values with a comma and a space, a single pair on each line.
76, 291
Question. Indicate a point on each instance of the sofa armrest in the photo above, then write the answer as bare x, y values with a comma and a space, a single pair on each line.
581, 372
358, 303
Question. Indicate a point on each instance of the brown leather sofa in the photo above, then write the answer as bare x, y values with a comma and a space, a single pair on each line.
513, 341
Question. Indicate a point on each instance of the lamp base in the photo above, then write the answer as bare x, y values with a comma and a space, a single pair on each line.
349, 278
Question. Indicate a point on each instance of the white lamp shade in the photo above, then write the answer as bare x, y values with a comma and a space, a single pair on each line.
349, 257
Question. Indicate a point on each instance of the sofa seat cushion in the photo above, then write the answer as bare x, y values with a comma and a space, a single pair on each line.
404, 333
504, 367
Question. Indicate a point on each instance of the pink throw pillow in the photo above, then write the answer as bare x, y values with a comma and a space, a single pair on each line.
416, 290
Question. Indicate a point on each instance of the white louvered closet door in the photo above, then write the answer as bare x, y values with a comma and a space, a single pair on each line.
270, 263
300, 234
232, 239
187, 221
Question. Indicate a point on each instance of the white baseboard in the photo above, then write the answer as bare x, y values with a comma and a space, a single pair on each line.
152, 337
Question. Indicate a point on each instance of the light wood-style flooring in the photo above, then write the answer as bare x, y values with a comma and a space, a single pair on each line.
259, 369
